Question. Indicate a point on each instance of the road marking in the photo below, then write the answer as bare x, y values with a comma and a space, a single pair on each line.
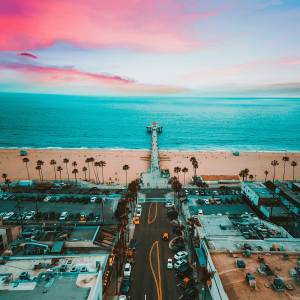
149, 222
178, 284
181, 296
158, 285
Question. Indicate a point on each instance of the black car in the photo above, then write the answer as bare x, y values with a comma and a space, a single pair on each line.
63, 199
77, 217
44, 216
234, 200
224, 201
125, 286
99, 200
132, 244
229, 201
51, 215
70, 217
178, 248
70, 199
57, 215
90, 217
86, 200
190, 293
240, 200
75, 200
38, 215
200, 202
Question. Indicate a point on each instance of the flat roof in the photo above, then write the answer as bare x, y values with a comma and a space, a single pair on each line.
236, 286
220, 177
276, 211
289, 192
259, 188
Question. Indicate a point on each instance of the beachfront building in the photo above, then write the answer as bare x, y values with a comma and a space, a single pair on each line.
155, 177
8, 234
219, 179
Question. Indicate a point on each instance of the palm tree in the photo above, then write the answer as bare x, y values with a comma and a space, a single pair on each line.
293, 164
4, 176
266, 172
84, 169
274, 163
75, 171
177, 170
285, 159
184, 170
92, 159
246, 173
74, 163
251, 177
65, 161
102, 164
134, 187
59, 169
242, 174
176, 187
53, 163
88, 162
26, 160
39, 169
204, 186
126, 168
195, 166
40, 163
97, 164
199, 184
8, 182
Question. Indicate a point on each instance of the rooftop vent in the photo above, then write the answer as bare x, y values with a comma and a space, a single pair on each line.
24, 276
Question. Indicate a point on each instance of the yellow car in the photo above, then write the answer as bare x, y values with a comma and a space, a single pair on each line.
212, 201
136, 220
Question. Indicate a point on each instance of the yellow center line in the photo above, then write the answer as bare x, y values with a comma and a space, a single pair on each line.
149, 213
158, 286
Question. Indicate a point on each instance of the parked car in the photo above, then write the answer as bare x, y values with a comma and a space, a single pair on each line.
206, 201
47, 199
93, 199
82, 217
136, 220
180, 255
30, 215
178, 248
200, 201
169, 204
52, 199
99, 200
190, 293
90, 217
127, 270
234, 200
57, 216
187, 282
51, 215
197, 193
132, 244
170, 264
70, 217
200, 212
138, 212
125, 285
97, 217
63, 216
212, 201
180, 263
240, 200
228, 200
77, 217
75, 200
23, 215
7, 216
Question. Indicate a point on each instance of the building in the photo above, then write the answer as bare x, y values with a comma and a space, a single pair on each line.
220, 179
7, 235
258, 194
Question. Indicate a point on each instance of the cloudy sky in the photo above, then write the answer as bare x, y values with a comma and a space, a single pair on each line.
151, 47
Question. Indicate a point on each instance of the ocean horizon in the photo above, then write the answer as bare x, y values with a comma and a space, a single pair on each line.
36, 121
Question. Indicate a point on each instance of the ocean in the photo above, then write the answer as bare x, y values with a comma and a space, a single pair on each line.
201, 124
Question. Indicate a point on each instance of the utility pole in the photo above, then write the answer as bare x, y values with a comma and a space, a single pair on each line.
19, 206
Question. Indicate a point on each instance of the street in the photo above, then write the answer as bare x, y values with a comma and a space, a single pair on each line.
150, 278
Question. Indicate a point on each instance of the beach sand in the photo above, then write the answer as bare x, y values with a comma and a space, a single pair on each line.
210, 163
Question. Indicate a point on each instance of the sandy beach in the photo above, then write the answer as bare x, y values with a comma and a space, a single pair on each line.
210, 163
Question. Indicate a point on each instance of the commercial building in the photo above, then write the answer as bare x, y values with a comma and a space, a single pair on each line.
215, 179
7, 235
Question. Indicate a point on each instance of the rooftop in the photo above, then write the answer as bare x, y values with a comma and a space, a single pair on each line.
234, 279
289, 192
259, 189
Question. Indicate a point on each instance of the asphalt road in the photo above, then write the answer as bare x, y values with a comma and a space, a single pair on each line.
149, 237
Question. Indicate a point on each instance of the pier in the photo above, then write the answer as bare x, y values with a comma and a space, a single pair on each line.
155, 177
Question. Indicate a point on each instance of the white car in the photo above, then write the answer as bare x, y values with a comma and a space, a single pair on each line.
200, 212
186, 192
23, 215
93, 199
63, 216
215, 192
169, 204
47, 199
180, 263
127, 269
181, 255
170, 264
139, 206
219, 214
3, 214
139, 213
122, 297
206, 201
7, 216
197, 193
30, 215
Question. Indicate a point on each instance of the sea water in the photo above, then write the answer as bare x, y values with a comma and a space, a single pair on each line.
201, 124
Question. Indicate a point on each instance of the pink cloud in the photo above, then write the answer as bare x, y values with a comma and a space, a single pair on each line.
66, 74
27, 54
289, 62
158, 25
222, 72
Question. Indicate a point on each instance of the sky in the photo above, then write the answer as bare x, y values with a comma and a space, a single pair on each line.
191, 48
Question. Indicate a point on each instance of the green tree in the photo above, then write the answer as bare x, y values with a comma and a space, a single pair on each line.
92, 159
204, 186
8, 182
184, 170
242, 174
274, 163
176, 187
266, 172
59, 169
294, 164
134, 187
26, 160
285, 159
126, 168
176, 171
102, 164
246, 173
74, 164
66, 161
40, 163
251, 177
39, 169
88, 162
84, 169
75, 171
97, 164
199, 184
53, 163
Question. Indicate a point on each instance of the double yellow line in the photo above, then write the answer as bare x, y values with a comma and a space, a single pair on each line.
157, 283
149, 222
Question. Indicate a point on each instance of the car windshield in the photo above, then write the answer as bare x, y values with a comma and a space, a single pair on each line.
126, 269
